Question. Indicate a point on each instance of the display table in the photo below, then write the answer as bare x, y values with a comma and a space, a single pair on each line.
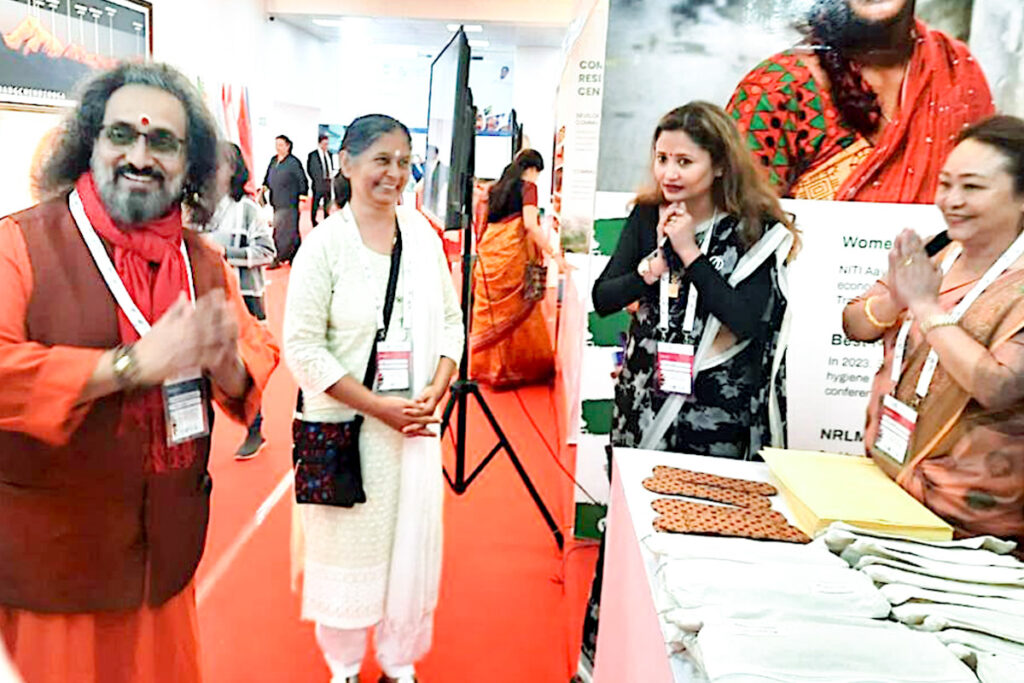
630, 645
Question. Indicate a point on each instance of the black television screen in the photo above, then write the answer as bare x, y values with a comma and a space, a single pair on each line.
447, 114
517, 134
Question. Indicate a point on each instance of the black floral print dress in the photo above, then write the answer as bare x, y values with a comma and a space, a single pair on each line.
727, 413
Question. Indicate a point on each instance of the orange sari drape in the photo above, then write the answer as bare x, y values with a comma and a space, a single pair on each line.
145, 645
510, 344
965, 462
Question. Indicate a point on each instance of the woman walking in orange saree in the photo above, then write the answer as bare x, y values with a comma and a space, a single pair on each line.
946, 418
510, 344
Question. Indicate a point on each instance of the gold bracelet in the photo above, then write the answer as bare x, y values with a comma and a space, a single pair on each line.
875, 321
938, 320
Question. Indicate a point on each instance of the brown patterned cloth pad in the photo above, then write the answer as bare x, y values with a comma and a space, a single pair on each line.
681, 516
672, 486
759, 487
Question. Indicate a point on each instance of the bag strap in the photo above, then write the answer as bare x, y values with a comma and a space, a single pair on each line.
389, 306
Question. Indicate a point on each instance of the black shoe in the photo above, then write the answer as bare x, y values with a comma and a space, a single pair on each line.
252, 445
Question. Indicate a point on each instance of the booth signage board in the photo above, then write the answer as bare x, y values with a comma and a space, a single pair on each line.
578, 130
46, 48
845, 247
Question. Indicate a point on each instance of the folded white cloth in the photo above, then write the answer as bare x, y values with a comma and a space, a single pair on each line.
698, 589
804, 651
930, 616
980, 642
999, 669
1002, 576
899, 593
692, 546
840, 534
909, 551
883, 574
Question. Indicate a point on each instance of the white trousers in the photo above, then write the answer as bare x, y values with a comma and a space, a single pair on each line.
344, 649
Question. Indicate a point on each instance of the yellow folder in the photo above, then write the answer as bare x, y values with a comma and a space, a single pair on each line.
822, 488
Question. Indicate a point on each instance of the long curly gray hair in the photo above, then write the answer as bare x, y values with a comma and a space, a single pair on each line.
73, 148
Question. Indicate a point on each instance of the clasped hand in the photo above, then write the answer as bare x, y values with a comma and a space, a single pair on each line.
187, 337
913, 278
410, 417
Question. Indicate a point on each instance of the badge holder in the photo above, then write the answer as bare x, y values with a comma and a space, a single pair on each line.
674, 364
895, 428
394, 368
185, 413
675, 368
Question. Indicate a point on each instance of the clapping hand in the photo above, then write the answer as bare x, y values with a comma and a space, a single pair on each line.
913, 278
202, 337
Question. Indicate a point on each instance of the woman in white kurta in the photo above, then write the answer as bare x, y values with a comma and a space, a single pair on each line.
378, 563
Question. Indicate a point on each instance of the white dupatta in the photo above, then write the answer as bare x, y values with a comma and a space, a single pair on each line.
415, 572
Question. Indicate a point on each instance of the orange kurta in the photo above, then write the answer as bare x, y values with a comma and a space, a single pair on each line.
39, 390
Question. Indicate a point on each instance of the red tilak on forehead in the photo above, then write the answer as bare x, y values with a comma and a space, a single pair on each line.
144, 120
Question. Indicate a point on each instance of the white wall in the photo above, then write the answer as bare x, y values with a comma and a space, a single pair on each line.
297, 81
537, 70
288, 72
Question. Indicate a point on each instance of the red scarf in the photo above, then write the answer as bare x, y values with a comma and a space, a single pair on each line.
153, 289
945, 91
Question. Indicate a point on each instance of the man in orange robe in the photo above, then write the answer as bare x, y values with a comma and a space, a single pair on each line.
118, 329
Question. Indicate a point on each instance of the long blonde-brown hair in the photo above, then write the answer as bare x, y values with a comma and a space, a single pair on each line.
738, 189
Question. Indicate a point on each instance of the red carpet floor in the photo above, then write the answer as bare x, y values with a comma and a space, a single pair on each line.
511, 604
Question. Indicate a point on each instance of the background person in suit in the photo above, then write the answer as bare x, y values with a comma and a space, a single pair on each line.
320, 167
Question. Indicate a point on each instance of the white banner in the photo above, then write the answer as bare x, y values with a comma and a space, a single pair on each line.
845, 250
578, 134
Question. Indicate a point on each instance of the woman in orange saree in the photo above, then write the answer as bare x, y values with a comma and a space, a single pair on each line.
964, 456
510, 344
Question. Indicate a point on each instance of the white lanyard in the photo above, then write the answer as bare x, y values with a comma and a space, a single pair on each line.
1012, 253
690, 316
109, 272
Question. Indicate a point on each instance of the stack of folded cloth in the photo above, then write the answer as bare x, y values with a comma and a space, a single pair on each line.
740, 609
970, 593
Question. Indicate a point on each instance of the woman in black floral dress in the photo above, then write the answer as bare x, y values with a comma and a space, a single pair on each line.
709, 235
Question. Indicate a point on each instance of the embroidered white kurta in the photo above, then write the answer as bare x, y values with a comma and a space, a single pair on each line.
335, 288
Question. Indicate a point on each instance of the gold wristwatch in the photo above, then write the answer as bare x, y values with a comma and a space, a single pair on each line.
126, 367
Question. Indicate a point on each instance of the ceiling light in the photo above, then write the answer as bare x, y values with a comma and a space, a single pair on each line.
327, 22
479, 43
468, 28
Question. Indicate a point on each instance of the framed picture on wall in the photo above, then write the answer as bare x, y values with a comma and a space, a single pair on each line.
47, 46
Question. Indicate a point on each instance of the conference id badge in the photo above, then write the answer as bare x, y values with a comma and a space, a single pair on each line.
896, 427
675, 368
185, 411
394, 366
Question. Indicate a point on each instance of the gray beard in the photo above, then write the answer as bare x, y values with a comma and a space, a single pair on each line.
128, 207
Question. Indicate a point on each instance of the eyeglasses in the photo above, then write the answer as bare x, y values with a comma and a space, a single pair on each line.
159, 140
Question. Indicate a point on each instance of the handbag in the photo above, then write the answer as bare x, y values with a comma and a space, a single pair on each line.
325, 455
535, 275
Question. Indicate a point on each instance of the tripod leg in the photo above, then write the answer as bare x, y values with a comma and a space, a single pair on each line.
446, 416
503, 442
